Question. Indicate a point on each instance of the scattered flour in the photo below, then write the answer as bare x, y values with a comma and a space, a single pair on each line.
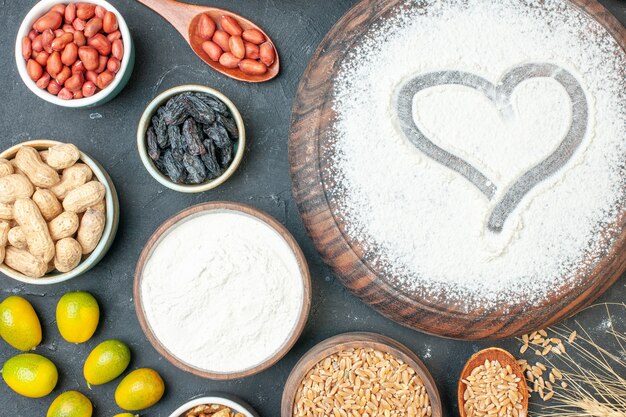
222, 291
422, 225
428, 353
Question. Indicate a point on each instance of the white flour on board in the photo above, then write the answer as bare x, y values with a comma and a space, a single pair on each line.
449, 116
422, 225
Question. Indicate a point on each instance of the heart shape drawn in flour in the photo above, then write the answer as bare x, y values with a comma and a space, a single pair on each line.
500, 95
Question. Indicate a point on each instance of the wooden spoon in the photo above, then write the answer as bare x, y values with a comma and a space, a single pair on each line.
184, 17
504, 358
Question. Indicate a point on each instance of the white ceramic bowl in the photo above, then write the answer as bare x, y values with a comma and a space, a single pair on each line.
232, 402
110, 228
144, 123
100, 97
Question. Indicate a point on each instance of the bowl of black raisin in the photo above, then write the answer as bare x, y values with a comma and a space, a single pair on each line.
191, 138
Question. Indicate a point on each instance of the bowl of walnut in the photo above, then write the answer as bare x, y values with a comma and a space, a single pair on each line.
215, 406
59, 212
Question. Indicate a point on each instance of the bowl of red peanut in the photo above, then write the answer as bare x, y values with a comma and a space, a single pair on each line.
77, 54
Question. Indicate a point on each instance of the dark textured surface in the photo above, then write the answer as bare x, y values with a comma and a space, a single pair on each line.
108, 134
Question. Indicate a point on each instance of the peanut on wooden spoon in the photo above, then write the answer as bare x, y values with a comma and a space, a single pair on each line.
492, 380
226, 41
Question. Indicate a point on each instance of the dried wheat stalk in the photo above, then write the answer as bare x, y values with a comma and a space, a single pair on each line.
585, 379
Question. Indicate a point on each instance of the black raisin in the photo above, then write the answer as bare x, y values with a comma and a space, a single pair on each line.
175, 138
199, 110
196, 172
218, 134
210, 160
153, 147
176, 110
225, 156
192, 138
160, 164
214, 103
173, 168
178, 154
160, 128
229, 124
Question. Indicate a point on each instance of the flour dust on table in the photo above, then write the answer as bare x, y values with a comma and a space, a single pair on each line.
477, 151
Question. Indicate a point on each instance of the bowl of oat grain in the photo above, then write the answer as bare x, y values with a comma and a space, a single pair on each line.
341, 368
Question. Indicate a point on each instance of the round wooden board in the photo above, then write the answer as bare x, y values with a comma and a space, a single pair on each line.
311, 120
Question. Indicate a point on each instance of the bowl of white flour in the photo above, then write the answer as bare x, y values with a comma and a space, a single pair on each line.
222, 290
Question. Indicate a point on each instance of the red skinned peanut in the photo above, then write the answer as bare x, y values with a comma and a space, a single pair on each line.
100, 12
54, 87
51, 20
231, 26
79, 39
74, 83
252, 50
109, 22
89, 56
92, 27
54, 65
42, 58
34, 70
114, 65
267, 53
117, 49
221, 38
229, 60
59, 8
113, 36
70, 12
37, 43
254, 36
89, 89
206, 27
27, 47
65, 94
79, 24
252, 67
62, 41
101, 43
212, 49
78, 67
102, 64
91, 76
104, 79
70, 54
237, 47
63, 76
44, 81
85, 11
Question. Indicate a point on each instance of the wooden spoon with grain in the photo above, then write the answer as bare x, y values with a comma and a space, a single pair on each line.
185, 17
504, 358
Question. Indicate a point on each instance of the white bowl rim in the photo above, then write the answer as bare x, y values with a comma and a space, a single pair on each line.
112, 218
235, 405
145, 121
37, 11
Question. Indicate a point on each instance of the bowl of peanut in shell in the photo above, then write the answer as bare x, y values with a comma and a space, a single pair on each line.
59, 212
